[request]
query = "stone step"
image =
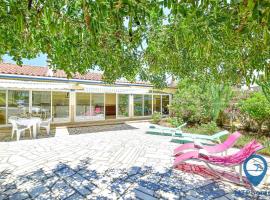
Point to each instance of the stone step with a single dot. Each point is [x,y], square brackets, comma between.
[61,131]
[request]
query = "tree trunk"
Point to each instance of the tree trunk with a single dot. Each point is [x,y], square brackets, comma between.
[260,126]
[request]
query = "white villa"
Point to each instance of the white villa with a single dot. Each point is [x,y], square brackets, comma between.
[50,94]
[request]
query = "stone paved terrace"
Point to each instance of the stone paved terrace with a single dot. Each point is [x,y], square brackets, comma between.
[124,164]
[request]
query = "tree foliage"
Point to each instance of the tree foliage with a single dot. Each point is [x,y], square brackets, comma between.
[228,40]
[187,103]
[200,102]
[257,108]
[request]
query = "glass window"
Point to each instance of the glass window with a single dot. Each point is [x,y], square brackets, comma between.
[83,110]
[147,105]
[123,105]
[97,105]
[41,104]
[18,103]
[60,104]
[165,104]
[138,105]
[157,103]
[2,107]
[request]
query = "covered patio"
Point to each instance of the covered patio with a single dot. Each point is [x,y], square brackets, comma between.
[78,101]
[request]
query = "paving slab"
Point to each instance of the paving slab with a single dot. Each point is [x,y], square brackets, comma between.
[120,162]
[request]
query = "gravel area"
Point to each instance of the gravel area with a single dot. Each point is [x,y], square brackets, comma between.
[100,128]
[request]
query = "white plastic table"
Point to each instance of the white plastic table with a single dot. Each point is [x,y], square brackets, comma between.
[31,122]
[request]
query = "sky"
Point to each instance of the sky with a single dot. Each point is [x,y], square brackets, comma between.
[41,60]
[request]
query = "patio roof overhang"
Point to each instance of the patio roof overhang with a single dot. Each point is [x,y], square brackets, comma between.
[28,85]
[115,89]
[33,85]
[66,80]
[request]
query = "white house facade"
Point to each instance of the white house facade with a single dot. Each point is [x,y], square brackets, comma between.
[41,92]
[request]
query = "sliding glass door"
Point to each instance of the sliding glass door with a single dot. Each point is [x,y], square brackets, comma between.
[142,105]
[147,105]
[41,104]
[2,107]
[83,111]
[89,106]
[123,105]
[157,103]
[138,105]
[97,105]
[18,103]
[165,104]
[60,105]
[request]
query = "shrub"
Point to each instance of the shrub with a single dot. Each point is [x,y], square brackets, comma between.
[200,102]
[175,122]
[257,108]
[156,117]
[186,104]
[245,121]
[209,128]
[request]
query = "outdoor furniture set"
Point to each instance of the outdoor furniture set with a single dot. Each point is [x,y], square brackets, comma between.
[33,124]
[210,150]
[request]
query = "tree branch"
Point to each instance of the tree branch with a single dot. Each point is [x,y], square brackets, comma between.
[30,4]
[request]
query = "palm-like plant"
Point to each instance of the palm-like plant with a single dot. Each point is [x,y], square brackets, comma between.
[220,95]
[266,89]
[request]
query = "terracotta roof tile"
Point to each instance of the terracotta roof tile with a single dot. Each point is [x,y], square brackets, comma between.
[22,70]
[6,68]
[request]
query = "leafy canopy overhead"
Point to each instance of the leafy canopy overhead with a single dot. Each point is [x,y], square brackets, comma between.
[225,39]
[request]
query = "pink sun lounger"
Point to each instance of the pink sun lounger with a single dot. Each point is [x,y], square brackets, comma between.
[233,160]
[218,148]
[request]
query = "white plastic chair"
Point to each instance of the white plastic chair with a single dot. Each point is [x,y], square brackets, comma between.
[47,125]
[12,118]
[18,129]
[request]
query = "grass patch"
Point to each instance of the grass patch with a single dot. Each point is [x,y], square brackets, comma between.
[200,130]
